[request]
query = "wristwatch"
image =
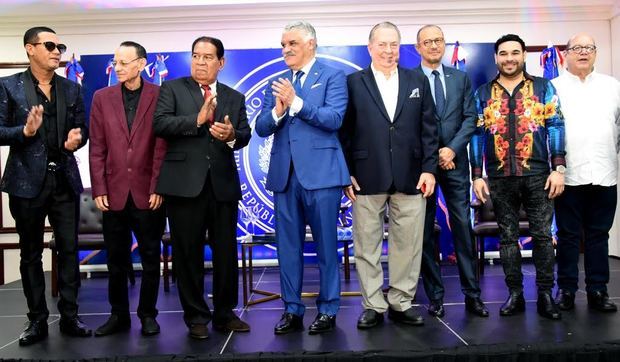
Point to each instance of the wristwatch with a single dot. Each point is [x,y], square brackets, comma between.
[561,169]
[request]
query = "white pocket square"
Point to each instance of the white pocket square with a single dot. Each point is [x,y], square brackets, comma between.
[415,93]
[316,85]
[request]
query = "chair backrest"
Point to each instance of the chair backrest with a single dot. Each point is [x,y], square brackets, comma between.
[91,218]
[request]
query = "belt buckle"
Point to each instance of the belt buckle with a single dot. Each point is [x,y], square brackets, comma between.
[52,166]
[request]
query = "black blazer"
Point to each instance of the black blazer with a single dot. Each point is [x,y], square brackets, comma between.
[379,152]
[458,122]
[26,165]
[192,152]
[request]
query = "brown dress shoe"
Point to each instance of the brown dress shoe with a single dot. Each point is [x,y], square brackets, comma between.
[232,325]
[199,331]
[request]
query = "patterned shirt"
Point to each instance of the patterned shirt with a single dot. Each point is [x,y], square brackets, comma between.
[515,133]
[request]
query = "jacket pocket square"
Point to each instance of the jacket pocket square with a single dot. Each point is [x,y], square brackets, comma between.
[316,85]
[415,93]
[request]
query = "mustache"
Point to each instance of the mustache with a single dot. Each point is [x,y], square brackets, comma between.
[288,54]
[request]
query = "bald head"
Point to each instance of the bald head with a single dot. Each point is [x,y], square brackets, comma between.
[578,38]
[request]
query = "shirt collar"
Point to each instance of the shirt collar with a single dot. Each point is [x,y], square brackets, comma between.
[576,78]
[36,81]
[429,71]
[306,68]
[378,73]
[212,86]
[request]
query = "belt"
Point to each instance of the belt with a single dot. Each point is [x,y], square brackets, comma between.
[54,167]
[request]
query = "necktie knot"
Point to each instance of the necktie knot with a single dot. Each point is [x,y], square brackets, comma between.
[436,73]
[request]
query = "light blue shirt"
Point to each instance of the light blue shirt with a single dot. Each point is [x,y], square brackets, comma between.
[431,78]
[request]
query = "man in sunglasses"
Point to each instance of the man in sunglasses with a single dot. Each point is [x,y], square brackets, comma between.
[125,157]
[586,209]
[42,119]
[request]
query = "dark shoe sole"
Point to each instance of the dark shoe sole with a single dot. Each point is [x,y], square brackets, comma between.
[149,333]
[198,336]
[287,331]
[409,323]
[221,328]
[511,313]
[118,330]
[614,310]
[316,331]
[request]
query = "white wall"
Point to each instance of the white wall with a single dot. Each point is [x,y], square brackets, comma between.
[337,23]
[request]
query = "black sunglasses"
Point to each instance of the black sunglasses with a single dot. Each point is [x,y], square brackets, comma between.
[50,46]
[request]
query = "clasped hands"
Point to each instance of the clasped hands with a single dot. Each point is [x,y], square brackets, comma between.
[35,120]
[284,95]
[223,131]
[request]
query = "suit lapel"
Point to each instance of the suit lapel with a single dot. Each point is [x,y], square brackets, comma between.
[146,98]
[449,78]
[31,95]
[61,111]
[369,81]
[119,109]
[220,110]
[403,91]
[311,78]
[196,94]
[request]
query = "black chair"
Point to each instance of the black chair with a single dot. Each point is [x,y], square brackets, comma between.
[90,235]
[485,225]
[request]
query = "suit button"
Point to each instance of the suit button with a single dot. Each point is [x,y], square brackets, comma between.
[129,169]
[208,157]
[129,150]
[391,128]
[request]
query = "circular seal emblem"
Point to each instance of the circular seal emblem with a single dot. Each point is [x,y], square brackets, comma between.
[256,215]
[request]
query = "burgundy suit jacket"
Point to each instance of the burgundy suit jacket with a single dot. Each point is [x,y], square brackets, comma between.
[121,161]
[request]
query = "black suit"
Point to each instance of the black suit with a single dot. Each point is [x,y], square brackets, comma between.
[456,126]
[36,192]
[200,181]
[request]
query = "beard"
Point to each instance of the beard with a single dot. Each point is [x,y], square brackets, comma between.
[518,68]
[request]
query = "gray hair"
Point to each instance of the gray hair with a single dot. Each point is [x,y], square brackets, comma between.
[305,27]
[383,25]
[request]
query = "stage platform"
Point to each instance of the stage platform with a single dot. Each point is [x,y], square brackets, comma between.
[580,335]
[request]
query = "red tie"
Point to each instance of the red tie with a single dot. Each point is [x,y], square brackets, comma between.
[207,90]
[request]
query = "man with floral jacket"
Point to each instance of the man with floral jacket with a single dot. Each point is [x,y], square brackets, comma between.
[519,124]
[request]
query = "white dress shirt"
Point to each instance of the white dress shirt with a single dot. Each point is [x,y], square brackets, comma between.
[428,72]
[298,103]
[591,112]
[388,87]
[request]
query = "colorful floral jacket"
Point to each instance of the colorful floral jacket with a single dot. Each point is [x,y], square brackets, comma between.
[516,133]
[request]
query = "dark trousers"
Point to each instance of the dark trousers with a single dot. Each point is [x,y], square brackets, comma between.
[584,212]
[508,194]
[57,201]
[190,218]
[148,227]
[455,186]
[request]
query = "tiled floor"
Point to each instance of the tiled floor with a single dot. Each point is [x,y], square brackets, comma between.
[456,329]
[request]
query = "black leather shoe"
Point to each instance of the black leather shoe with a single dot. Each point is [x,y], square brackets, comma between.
[150,327]
[289,323]
[476,306]
[407,317]
[322,323]
[565,299]
[546,306]
[232,325]
[369,318]
[74,327]
[114,324]
[34,332]
[600,301]
[514,304]
[435,308]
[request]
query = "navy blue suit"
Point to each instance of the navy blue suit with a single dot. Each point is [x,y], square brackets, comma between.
[36,191]
[455,127]
[307,172]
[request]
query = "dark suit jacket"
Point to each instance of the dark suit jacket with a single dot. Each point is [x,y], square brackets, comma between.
[120,161]
[379,152]
[458,123]
[27,162]
[192,152]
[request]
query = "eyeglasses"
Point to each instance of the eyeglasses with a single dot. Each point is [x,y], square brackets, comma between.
[123,63]
[438,41]
[50,46]
[579,48]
